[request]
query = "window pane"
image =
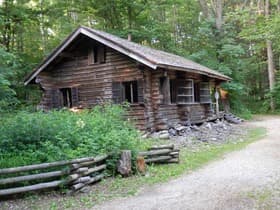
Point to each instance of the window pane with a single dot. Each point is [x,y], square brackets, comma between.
[130,91]
[205,96]
[185,91]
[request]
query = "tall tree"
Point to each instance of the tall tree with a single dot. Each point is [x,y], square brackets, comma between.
[270,62]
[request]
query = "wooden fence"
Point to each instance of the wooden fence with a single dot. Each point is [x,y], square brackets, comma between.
[161,154]
[74,174]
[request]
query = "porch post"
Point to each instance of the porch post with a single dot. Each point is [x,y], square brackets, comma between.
[217,96]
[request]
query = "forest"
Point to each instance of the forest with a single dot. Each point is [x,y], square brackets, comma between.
[239,38]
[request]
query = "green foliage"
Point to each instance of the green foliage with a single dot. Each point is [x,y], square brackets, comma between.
[31,29]
[58,135]
[275,94]
[8,66]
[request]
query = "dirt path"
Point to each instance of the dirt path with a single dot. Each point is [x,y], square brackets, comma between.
[223,184]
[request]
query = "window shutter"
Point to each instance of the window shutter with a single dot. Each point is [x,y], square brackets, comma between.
[197,92]
[101,54]
[90,56]
[173,91]
[75,96]
[56,98]
[117,92]
[140,91]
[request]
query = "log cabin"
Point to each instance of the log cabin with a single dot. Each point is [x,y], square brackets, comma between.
[92,66]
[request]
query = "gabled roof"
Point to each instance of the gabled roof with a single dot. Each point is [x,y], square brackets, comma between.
[145,55]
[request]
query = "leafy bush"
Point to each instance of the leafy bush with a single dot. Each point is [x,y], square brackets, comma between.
[237,96]
[29,138]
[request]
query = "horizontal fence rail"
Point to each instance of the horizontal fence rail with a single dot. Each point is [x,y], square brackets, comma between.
[74,174]
[161,154]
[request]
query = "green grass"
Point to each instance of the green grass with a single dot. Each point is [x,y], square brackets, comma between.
[189,161]
[120,187]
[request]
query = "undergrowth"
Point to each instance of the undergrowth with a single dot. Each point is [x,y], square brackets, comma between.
[29,138]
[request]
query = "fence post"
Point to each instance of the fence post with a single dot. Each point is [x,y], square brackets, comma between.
[124,164]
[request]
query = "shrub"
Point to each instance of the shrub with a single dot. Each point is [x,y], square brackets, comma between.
[59,135]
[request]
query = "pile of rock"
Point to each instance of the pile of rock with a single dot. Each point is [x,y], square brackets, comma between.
[212,132]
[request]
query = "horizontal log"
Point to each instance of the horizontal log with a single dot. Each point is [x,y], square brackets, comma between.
[171,146]
[97,160]
[158,159]
[49,165]
[81,170]
[174,153]
[155,152]
[173,160]
[95,179]
[95,169]
[81,185]
[73,177]
[175,156]
[30,188]
[82,180]
[33,177]
[77,186]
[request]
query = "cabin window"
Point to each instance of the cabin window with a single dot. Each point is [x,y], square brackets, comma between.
[204,92]
[66,97]
[185,91]
[131,91]
[182,91]
[97,54]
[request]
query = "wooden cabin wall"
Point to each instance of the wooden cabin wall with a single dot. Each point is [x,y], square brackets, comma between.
[93,81]
[168,115]
[148,100]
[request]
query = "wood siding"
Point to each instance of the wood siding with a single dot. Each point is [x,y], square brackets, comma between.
[168,115]
[93,82]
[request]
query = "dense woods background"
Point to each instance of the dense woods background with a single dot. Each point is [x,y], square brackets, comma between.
[240,38]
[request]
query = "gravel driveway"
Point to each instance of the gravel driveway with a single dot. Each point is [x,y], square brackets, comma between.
[223,184]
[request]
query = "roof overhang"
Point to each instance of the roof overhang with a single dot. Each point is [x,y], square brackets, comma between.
[195,71]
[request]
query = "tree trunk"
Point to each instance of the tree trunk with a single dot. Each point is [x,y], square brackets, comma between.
[270,64]
[204,8]
[219,14]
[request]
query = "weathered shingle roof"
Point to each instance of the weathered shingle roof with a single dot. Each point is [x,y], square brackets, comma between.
[146,55]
